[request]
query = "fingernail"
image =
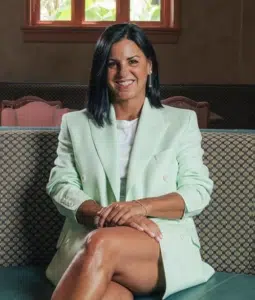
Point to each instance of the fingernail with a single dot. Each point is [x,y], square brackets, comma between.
[158,239]
[152,234]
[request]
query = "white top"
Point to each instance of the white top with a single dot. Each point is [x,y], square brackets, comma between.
[126,134]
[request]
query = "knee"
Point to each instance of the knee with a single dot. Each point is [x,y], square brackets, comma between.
[101,242]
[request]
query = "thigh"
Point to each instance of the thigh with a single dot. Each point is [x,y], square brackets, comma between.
[138,263]
[117,291]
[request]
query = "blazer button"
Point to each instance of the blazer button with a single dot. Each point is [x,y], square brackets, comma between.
[83,178]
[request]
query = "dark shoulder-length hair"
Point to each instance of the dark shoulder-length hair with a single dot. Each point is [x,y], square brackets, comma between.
[99,103]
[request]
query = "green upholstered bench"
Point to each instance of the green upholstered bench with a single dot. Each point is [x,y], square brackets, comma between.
[29,283]
[30,223]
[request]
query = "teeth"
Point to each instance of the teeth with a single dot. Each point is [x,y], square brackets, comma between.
[125,83]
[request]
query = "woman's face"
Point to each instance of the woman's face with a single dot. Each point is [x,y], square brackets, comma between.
[128,69]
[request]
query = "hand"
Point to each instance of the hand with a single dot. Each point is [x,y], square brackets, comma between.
[119,212]
[146,225]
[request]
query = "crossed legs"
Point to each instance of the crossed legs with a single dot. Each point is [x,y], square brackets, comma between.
[114,263]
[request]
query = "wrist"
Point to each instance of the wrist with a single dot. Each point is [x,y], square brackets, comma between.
[87,211]
[143,206]
[147,202]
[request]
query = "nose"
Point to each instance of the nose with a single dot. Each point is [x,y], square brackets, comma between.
[123,70]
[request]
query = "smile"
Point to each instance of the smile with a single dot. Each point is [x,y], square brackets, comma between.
[125,83]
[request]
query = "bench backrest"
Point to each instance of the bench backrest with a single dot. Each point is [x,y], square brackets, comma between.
[30,223]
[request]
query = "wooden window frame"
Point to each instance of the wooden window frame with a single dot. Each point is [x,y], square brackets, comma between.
[166,31]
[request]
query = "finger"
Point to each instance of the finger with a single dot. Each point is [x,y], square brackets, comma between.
[159,234]
[117,211]
[100,216]
[140,222]
[108,225]
[155,231]
[131,211]
[104,215]
[122,216]
[146,225]
[150,230]
[150,233]
[104,210]
[136,226]
[100,211]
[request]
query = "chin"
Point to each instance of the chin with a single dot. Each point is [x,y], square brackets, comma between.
[122,97]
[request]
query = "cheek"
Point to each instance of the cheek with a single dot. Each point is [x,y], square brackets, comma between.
[110,77]
[142,76]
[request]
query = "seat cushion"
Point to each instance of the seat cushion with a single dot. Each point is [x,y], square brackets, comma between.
[24,283]
[30,283]
[222,286]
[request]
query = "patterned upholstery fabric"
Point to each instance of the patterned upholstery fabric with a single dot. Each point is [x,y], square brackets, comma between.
[226,226]
[30,223]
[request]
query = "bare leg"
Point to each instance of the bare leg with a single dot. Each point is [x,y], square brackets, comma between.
[113,291]
[117,291]
[120,254]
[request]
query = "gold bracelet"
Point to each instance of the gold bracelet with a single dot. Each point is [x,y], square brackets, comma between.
[146,212]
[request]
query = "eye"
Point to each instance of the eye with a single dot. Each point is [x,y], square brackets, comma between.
[133,61]
[111,64]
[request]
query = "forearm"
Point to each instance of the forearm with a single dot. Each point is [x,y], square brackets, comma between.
[87,212]
[169,206]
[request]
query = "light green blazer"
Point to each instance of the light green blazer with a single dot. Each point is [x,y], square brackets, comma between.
[166,157]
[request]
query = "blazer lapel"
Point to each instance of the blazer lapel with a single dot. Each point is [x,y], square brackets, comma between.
[106,143]
[150,128]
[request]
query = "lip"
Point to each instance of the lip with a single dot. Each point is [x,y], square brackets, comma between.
[123,87]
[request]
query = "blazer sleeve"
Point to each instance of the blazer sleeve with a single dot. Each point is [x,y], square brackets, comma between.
[64,185]
[193,182]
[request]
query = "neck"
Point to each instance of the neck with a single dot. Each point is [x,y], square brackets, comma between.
[129,109]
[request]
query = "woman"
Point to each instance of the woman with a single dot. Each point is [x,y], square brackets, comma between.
[129,177]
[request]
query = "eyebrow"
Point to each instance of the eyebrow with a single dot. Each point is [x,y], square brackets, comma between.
[131,57]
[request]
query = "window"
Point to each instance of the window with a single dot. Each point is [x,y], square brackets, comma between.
[84,20]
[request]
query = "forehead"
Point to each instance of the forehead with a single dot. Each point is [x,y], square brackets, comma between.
[125,49]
